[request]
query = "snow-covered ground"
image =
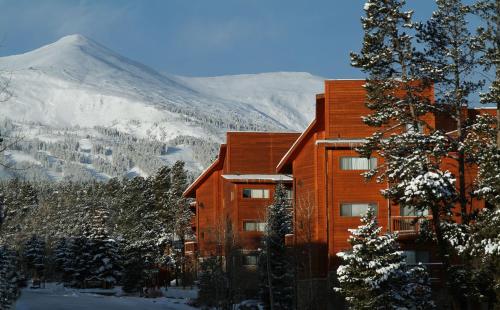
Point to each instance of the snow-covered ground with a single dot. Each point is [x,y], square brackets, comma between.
[57,297]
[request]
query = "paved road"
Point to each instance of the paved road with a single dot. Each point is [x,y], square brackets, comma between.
[49,300]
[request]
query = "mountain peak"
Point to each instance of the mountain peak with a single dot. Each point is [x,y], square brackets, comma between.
[73,39]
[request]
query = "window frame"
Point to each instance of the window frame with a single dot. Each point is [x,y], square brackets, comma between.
[413,213]
[258,226]
[244,261]
[372,163]
[263,190]
[417,256]
[374,204]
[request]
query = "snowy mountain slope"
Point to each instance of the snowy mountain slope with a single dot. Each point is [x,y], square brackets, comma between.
[284,96]
[77,84]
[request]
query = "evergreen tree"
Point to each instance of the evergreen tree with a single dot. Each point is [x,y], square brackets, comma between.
[134,267]
[182,216]
[140,226]
[8,278]
[398,93]
[213,290]
[374,274]
[20,200]
[482,246]
[34,256]
[62,258]
[450,61]
[78,266]
[276,265]
[105,264]
[489,46]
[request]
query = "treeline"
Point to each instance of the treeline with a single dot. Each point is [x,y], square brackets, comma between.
[58,153]
[96,234]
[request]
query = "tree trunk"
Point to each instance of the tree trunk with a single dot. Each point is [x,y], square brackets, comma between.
[497,69]
[443,255]
[269,276]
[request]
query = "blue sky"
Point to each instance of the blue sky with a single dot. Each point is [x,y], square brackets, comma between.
[202,37]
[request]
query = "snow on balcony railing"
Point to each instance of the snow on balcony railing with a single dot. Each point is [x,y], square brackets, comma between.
[190,246]
[407,225]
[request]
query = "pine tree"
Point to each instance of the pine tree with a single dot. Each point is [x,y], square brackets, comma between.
[212,283]
[398,88]
[140,225]
[182,216]
[34,256]
[489,46]
[450,61]
[62,258]
[8,278]
[20,200]
[276,265]
[78,266]
[482,247]
[105,264]
[374,275]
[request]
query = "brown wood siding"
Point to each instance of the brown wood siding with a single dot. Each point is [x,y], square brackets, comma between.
[207,210]
[349,186]
[256,152]
[345,104]
[252,209]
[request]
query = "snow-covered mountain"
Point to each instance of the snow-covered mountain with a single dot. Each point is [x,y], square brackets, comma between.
[79,88]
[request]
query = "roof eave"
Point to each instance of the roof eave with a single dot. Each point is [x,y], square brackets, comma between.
[190,192]
[290,154]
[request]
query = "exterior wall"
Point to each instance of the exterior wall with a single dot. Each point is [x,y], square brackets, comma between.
[251,209]
[309,203]
[220,206]
[349,186]
[344,106]
[320,183]
[256,152]
[208,207]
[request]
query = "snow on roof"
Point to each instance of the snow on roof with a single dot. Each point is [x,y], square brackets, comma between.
[259,177]
[335,141]
[353,79]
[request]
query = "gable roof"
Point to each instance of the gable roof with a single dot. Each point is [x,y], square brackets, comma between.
[296,146]
[190,192]
[290,155]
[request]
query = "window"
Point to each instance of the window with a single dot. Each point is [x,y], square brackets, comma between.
[255,193]
[289,193]
[254,226]
[250,260]
[414,257]
[410,128]
[410,211]
[355,209]
[358,163]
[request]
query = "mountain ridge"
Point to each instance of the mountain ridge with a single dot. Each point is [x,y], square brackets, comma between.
[76,82]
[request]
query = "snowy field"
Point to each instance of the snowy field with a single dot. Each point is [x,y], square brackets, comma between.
[57,297]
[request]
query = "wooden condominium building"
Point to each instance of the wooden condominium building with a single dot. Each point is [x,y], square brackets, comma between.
[232,196]
[328,191]
[330,194]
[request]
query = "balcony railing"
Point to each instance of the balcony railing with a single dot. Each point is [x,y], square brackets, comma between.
[190,247]
[407,225]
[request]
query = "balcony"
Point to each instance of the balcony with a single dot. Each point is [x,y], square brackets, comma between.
[190,247]
[407,225]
